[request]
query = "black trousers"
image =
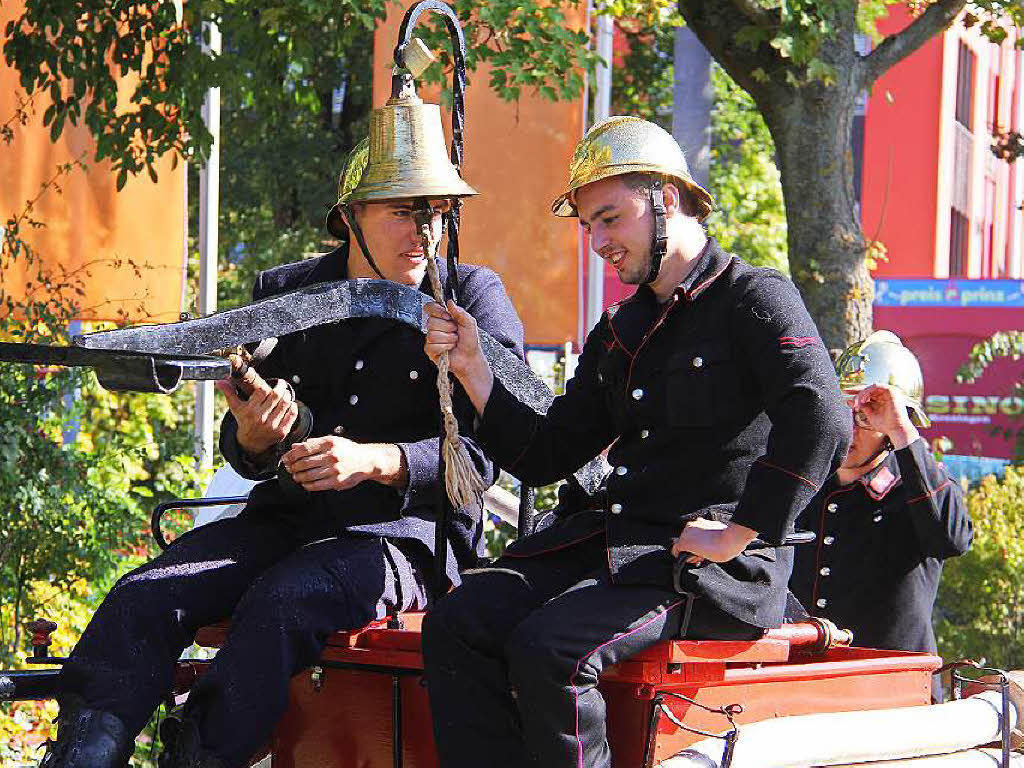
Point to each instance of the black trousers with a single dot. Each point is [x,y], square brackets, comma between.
[513,656]
[284,597]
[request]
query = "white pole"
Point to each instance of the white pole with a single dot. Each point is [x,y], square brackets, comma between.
[1015,267]
[209,198]
[604,32]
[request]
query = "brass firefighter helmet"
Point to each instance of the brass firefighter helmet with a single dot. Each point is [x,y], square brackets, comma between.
[351,173]
[405,157]
[621,145]
[881,358]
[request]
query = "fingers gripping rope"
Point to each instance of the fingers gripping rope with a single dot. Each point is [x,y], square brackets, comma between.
[463,483]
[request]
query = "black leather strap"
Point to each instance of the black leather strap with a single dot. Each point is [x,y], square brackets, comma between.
[659,237]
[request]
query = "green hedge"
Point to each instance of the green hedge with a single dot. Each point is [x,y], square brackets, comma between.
[979,613]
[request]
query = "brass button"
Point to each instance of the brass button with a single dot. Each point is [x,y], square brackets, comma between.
[833,507]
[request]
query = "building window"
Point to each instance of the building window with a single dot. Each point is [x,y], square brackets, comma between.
[988,230]
[958,230]
[964,85]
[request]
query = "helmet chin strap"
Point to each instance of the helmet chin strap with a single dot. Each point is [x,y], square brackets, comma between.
[350,219]
[884,449]
[659,237]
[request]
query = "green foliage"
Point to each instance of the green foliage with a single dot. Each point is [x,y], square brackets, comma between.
[1002,344]
[529,46]
[980,607]
[643,82]
[744,179]
[79,467]
[280,56]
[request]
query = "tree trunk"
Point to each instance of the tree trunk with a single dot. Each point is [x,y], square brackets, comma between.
[811,125]
[827,248]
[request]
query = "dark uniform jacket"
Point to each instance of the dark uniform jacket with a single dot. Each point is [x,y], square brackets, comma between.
[881,541]
[721,403]
[370,381]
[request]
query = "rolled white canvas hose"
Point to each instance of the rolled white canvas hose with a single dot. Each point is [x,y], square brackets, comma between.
[970,758]
[845,738]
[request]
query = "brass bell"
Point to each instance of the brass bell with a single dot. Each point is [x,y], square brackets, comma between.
[408,156]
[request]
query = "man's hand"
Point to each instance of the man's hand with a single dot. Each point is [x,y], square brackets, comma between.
[711,540]
[335,464]
[453,330]
[882,408]
[266,418]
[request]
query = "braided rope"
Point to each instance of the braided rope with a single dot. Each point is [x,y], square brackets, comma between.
[463,483]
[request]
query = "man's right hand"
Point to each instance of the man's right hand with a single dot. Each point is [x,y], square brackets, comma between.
[454,330]
[266,418]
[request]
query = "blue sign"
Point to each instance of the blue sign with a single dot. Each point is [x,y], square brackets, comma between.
[910,292]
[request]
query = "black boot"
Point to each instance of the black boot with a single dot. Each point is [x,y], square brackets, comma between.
[182,748]
[87,738]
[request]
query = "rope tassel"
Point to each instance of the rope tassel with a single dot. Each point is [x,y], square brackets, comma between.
[463,483]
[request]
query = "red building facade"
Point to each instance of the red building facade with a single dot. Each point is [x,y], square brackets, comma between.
[948,213]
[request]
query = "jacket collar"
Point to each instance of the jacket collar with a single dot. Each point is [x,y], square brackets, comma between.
[711,264]
[882,479]
[329,267]
[633,318]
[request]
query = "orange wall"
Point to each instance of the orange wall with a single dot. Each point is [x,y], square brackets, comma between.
[517,157]
[900,178]
[90,229]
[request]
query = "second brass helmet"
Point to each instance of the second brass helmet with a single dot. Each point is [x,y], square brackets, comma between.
[881,358]
[621,145]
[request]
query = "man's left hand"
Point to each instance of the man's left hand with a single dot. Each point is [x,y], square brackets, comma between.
[883,408]
[336,464]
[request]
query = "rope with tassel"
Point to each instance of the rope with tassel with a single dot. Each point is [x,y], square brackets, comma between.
[463,483]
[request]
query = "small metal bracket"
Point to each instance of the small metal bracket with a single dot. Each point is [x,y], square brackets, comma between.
[1002,684]
[729,711]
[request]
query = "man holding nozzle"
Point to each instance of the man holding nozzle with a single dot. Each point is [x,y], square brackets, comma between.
[345,534]
[889,516]
[723,416]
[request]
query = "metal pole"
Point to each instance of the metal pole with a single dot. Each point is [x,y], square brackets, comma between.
[209,198]
[691,112]
[604,34]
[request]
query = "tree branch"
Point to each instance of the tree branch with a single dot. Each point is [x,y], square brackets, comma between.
[897,47]
[755,13]
[716,24]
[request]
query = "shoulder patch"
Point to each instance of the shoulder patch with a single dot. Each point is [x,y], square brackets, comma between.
[798,342]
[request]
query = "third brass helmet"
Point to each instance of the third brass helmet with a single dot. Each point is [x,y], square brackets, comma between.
[881,358]
[621,145]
